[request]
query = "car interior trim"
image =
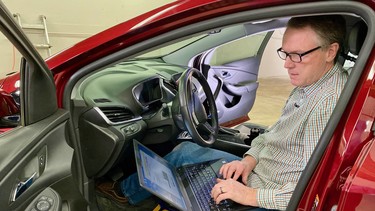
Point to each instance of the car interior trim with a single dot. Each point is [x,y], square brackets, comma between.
[108,121]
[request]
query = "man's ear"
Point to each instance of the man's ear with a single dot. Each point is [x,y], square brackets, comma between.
[332,51]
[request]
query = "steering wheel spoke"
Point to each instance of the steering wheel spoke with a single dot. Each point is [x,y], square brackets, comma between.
[206,129]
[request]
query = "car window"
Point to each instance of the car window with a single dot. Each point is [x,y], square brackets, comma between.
[159,52]
[9,85]
[10,57]
[239,49]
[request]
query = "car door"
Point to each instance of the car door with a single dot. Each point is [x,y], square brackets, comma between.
[357,191]
[232,72]
[35,157]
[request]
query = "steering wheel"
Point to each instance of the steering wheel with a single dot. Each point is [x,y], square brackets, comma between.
[203,128]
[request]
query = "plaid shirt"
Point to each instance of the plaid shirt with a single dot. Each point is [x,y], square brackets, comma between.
[284,150]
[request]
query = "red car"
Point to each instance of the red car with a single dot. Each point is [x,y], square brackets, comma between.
[81,109]
[9,102]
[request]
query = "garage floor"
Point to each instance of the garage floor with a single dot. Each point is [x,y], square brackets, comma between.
[270,99]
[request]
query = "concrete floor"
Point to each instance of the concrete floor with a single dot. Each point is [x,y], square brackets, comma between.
[271,96]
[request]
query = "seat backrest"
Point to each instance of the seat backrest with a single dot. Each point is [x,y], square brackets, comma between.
[354,44]
[357,37]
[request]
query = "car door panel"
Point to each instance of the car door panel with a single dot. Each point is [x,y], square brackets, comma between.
[47,199]
[238,81]
[44,154]
[35,154]
[232,72]
[361,177]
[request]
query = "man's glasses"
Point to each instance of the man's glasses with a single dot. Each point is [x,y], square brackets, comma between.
[295,57]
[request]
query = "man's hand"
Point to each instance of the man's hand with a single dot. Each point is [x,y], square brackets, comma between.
[235,169]
[235,191]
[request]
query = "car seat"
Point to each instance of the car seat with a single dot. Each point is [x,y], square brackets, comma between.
[354,44]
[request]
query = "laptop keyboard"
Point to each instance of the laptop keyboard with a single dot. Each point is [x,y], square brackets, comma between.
[202,178]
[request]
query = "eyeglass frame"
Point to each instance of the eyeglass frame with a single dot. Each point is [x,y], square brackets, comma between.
[299,54]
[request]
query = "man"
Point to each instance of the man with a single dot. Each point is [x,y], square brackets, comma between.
[270,170]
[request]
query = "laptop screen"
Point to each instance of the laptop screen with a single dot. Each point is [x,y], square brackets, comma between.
[157,176]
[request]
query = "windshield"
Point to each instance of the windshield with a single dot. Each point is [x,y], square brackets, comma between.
[166,50]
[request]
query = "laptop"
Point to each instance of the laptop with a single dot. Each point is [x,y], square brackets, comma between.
[183,188]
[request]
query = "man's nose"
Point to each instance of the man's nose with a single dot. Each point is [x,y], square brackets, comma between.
[288,63]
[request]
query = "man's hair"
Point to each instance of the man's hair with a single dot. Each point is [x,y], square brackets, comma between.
[329,28]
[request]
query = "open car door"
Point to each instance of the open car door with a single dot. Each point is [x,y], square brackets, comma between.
[35,158]
[232,71]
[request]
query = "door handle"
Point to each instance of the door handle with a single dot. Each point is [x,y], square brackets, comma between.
[23,186]
[225,74]
[218,87]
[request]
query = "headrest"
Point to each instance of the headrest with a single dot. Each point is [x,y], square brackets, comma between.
[357,37]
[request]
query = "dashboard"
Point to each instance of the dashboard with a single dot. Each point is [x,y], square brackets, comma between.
[137,86]
[127,101]
[132,100]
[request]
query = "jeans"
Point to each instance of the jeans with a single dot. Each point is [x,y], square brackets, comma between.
[183,154]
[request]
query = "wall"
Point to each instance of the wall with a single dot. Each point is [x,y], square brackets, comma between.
[69,21]
[273,66]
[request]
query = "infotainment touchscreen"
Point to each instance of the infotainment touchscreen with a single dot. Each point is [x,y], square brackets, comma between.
[148,91]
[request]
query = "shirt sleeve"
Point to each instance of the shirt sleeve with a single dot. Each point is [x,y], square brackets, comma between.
[275,198]
[256,146]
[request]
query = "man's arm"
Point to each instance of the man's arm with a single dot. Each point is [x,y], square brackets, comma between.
[256,146]
[275,198]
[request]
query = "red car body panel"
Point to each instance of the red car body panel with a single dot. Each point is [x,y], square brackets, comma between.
[7,104]
[344,177]
[7,84]
[359,187]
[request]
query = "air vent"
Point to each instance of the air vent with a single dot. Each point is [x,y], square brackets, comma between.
[117,114]
[102,100]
